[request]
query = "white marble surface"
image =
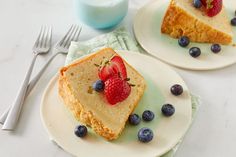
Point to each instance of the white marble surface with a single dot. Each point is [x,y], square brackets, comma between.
[212,134]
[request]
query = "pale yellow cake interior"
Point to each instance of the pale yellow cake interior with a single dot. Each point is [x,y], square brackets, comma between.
[80,77]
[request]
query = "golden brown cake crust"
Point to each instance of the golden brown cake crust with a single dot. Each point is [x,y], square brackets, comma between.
[78,110]
[178,22]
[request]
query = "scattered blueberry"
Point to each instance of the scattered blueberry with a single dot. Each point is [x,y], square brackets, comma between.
[134,119]
[176,89]
[197,3]
[195,52]
[148,115]
[184,41]
[98,85]
[81,131]
[215,48]
[233,22]
[145,135]
[168,110]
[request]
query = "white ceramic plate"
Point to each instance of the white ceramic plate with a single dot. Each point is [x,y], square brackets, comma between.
[167,131]
[147,29]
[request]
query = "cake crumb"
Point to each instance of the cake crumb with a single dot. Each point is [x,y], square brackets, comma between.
[234,45]
[90,90]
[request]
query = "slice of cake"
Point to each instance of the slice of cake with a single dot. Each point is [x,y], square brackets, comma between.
[183,19]
[107,111]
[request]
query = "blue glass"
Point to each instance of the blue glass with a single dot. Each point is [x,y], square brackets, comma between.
[101,14]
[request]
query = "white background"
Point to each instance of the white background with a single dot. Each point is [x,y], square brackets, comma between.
[213,133]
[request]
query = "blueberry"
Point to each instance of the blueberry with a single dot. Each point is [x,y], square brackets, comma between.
[233,22]
[195,52]
[184,41]
[168,110]
[81,131]
[134,119]
[148,115]
[215,48]
[98,85]
[197,3]
[176,89]
[145,135]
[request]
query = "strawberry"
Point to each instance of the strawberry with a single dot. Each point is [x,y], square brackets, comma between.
[117,60]
[107,71]
[116,89]
[213,7]
[113,67]
[204,2]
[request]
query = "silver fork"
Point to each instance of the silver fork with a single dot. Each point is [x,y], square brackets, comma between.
[41,46]
[61,47]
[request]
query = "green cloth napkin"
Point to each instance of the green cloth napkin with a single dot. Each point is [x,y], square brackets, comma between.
[119,39]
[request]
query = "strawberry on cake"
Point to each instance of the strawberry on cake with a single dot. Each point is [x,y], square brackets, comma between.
[101,91]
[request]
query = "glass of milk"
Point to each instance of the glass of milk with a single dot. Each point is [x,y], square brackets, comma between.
[101,14]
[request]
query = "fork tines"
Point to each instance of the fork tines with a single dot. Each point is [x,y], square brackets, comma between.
[44,37]
[72,35]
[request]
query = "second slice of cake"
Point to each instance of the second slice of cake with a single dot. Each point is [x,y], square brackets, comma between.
[91,107]
[183,19]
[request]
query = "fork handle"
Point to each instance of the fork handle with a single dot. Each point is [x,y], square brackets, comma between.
[4,115]
[30,85]
[33,82]
[16,107]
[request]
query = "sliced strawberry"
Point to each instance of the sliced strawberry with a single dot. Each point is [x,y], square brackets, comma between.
[204,2]
[113,67]
[116,90]
[107,71]
[213,7]
[117,60]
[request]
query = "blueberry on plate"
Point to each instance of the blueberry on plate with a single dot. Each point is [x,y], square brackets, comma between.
[81,131]
[233,22]
[98,85]
[176,89]
[195,52]
[197,3]
[215,48]
[184,41]
[148,115]
[168,110]
[145,135]
[134,119]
